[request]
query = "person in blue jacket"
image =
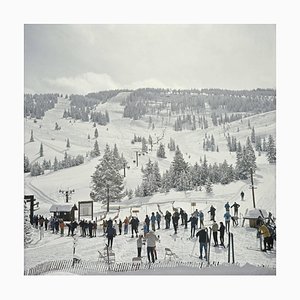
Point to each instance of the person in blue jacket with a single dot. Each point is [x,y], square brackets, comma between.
[153,219]
[227,218]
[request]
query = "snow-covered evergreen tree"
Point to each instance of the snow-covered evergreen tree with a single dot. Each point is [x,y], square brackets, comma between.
[41,150]
[36,169]
[161,151]
[68,143]
[151,178]
[144,145]
[271,150]
[251,154]
[96,151]
[178,166]
[96,134]
[55,164]
[31,136]
[26,164]
[208,186]
[253,135]
[106,180]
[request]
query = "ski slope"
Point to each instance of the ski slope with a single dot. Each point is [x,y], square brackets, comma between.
[120,131]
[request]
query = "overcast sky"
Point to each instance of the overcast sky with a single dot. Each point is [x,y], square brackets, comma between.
[87,58]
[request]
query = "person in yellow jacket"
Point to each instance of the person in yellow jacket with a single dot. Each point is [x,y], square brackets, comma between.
[263,229]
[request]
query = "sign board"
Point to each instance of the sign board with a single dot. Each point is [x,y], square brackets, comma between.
[193,203]
[135,211]
[85,209]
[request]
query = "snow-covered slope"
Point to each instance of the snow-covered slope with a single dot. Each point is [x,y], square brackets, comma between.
[120,131]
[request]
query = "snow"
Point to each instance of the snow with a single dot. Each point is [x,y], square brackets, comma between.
[121,131]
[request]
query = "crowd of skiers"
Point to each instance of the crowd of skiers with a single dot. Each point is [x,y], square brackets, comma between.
[152,223]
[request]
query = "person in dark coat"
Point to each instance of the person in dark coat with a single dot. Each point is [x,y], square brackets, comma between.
[120,226]
[153,219]
[134,226]
[168,219]
[175,219]
[235,208]
[73,227]
[110,234]
[212,212]
[90,227]
[185,219]
[222,231]
[194,221]
[147,221]
[46,223]
[110,223]
[158,219]
[242,195]
[203,241]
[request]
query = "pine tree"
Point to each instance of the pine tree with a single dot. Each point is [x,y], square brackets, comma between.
[89,137]
[178,166]
[28,231]
[41,150]
[36,169]
[253,135]
[96,133]
[106,180]
[55,164]
[96,150]
[150,140]
[161,151]
[144,145]
[271,150]
[26,164]
[208,186]
[68,143]
[31,137]
[251,154]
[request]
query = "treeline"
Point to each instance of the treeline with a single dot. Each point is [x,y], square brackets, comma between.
[237,103]
[103,96]
[37,168]
[249,93]
[220,118]
[83,108]
[36,105]
[189,122]
[154,101]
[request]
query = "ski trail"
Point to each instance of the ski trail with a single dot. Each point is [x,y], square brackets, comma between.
[42,196]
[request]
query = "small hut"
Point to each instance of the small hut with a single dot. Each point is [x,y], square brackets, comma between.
[253,214]
[64,211]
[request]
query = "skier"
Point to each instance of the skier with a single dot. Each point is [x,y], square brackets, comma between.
[263,229]
[203,240]
[151,243]
[227,218]
[194,220]
[158,219]
[61,226]
[139,243]
[110,234]
[242,195]
[104,224]
[222,230]
[153,219]
[147,221]
[201,217]
[94,229]
[212,212]
[185,220]
[215,228]
[126,222]
[181,215]
[134,226]
[120,227]
[168,219]
[227,206]
[175,219]
[109,223]
[90,227]
[73,227]
[46,224]
[236,208]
